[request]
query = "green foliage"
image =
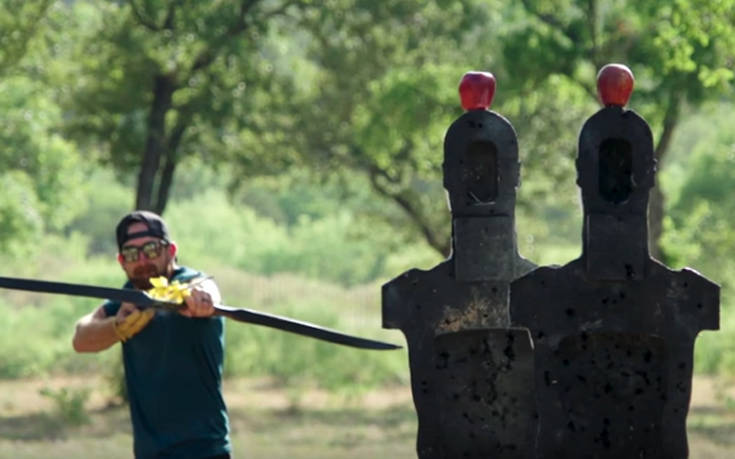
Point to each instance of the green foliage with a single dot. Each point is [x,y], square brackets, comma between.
[295,360]
[114,376]
[35,340]
[19,21]
[325,246]
[699,224]
[107,201]
[156,82]
[368,88]
[20,222]
[386,120]
[700,213]
[40,176]
[69,404]
[681,46]
[35,336]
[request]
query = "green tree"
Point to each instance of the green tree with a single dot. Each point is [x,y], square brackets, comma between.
[358,86]
[680,51]
[40,175]
[158,80]
[19,22]
[382,90]
[699,218]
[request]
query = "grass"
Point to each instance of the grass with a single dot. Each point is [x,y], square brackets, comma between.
[268,421]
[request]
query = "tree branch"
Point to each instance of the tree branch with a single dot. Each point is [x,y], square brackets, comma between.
[589,89]
[547,19]
[594,51]
[168,23]
[207,56]
[656,206]
[443,247]
[143,21]
[671,119]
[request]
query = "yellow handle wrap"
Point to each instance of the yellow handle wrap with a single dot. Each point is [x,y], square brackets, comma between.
[174,292]
[133,323]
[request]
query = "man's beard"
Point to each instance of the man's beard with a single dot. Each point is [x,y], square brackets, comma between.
[141,277]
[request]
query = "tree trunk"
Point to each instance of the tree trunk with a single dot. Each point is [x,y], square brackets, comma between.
[163,89]
[656,200]
[167,178]
[169,166]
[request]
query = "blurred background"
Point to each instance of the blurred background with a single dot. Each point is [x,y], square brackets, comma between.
[295,149]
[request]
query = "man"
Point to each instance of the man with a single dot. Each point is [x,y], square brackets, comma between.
[172,360]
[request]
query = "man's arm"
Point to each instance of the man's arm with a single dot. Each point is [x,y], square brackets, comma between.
[95,332]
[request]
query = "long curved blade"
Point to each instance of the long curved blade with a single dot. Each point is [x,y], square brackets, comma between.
[128,295]
[141,298]
[301,328]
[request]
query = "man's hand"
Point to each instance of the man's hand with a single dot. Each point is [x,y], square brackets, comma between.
[131,320]
[198,304]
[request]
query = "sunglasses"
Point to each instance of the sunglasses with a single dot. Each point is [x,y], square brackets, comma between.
[151,250]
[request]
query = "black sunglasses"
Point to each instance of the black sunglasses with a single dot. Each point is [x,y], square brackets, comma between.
[151,250]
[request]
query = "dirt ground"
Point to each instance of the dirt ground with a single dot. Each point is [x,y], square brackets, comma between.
[270,422]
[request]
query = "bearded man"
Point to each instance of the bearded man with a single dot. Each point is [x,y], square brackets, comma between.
[172,360]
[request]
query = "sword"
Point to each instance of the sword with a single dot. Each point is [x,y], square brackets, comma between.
[144,300]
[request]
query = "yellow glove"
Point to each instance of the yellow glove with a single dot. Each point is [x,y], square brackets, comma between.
[133,323]
[174,292]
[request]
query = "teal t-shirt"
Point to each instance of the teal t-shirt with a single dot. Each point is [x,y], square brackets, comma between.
[173,372]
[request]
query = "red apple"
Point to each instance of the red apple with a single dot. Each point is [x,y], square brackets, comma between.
[476,90]
[614,84]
